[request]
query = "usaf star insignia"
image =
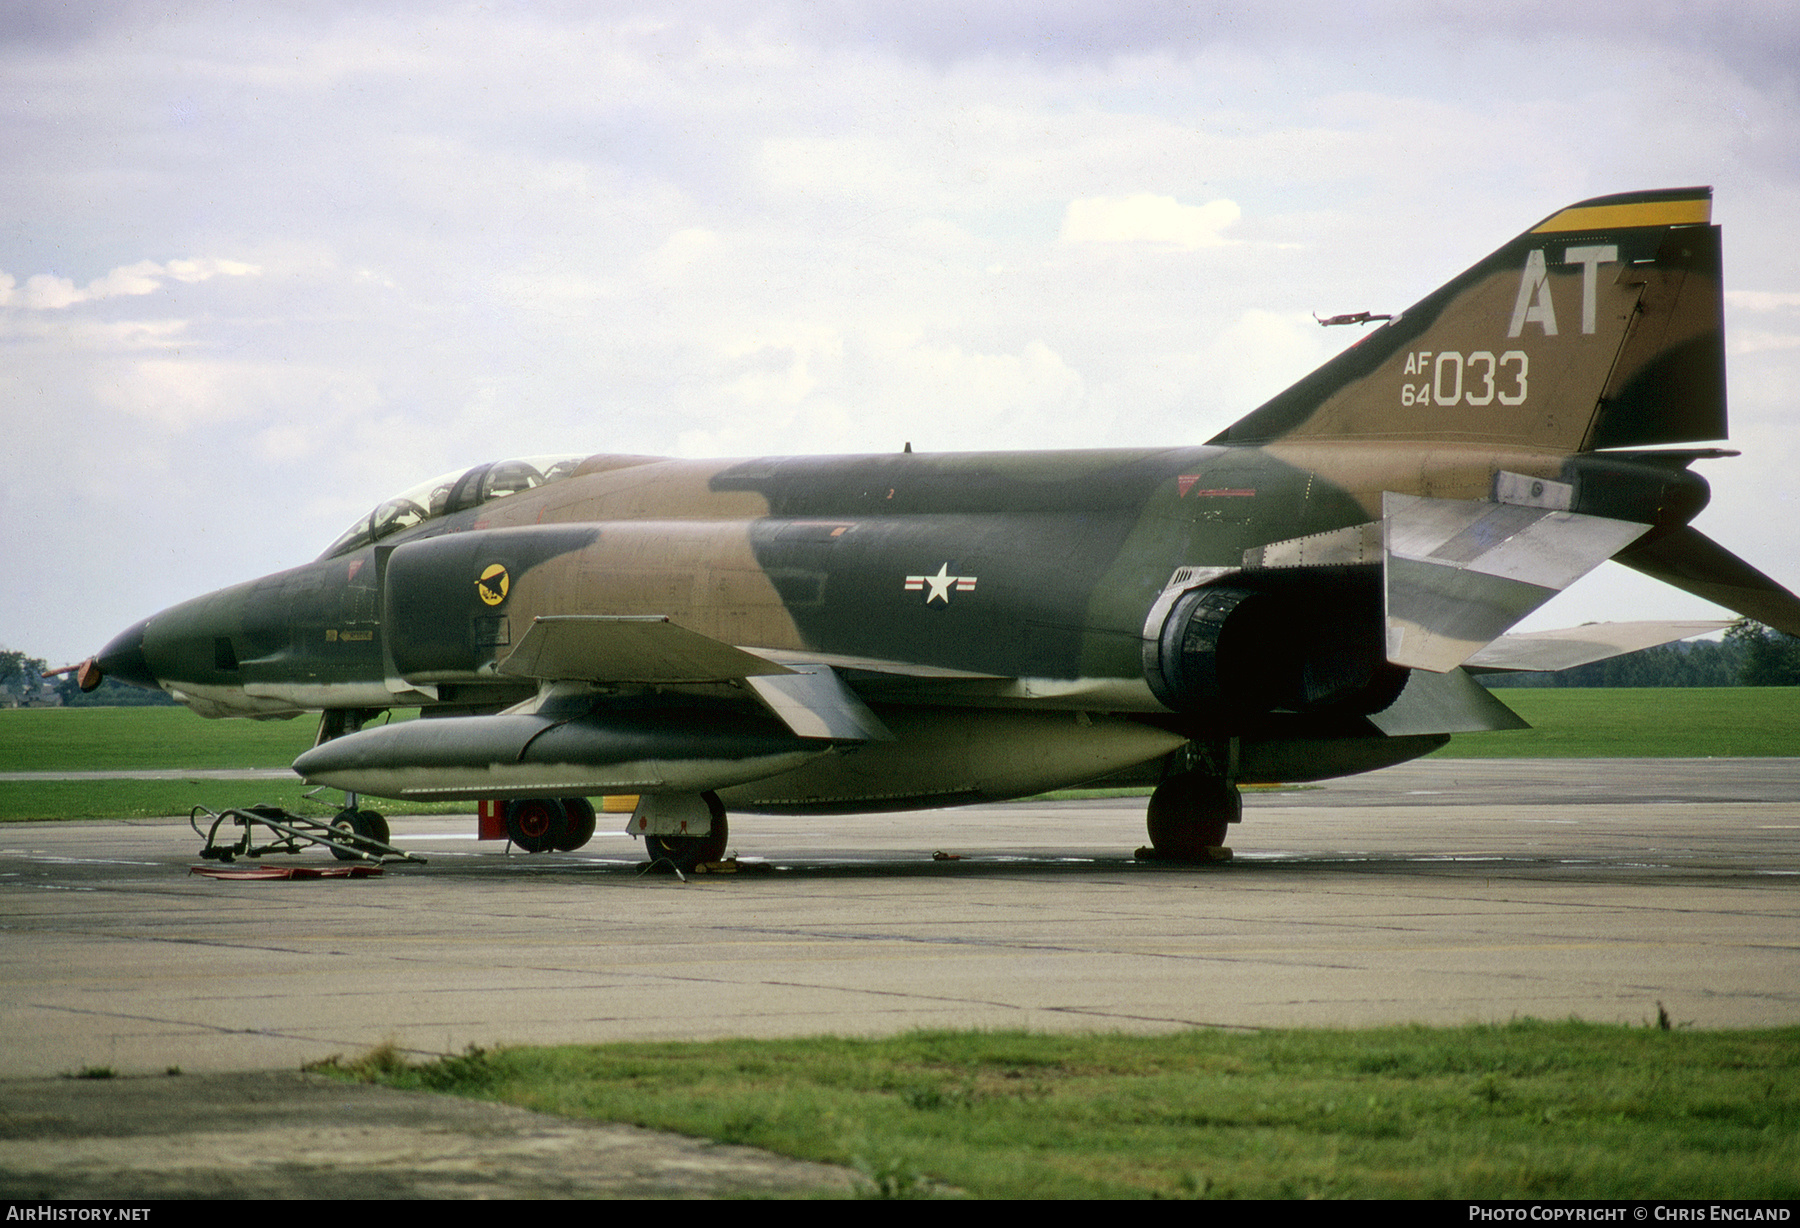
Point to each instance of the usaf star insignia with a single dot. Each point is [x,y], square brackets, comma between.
[941,585]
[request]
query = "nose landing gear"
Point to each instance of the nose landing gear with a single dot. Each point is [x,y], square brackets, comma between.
[358,832]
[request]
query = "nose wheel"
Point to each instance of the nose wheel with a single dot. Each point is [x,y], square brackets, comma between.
[358,828]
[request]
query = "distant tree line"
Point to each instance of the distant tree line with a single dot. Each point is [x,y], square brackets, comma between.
[1749,655]
[22,684]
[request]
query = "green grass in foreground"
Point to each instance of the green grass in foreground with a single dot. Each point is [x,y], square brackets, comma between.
[1526,1110]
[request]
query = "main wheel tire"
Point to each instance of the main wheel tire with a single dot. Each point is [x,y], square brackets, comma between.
[367,824]
[536,824]
[581,824]
[1189,814]
[686,852]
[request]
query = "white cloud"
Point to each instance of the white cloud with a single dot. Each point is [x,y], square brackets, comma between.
[681,250]
[69,336]
[1761,300]
[1263,352]
[176,393]
[144,277]
[1776,334]
[778,364]
[49,292]
[1147,218]
[967,399]
[46,291]
[1739,341]
[180,394]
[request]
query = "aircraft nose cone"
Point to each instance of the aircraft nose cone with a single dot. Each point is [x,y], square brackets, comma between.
[124,658]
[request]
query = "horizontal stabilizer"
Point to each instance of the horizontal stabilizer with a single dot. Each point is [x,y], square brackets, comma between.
[1694,563]
[1450,702]
[1567,647]
[1460,572]
[814,702]
[628,648]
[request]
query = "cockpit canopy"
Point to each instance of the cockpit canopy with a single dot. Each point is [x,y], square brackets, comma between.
[453,492]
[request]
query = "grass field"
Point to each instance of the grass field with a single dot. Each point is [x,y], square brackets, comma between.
[1527,1110]
[116,739]
[127,739]
[1642,723]
[1721,722]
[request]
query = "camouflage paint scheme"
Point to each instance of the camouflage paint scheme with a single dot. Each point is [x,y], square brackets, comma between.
[1012,622]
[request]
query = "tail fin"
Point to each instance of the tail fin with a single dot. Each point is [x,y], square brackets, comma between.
[1600,327]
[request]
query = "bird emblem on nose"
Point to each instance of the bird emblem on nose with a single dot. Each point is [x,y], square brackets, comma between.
[492,584]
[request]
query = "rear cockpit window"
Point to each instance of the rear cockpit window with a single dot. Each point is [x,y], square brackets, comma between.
[452,493]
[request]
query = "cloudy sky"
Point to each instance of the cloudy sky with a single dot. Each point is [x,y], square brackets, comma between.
[263,265]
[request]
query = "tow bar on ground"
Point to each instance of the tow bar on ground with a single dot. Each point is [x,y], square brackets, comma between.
[255,873]
[351,835]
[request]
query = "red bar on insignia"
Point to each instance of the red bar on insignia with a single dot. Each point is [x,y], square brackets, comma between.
[965,583]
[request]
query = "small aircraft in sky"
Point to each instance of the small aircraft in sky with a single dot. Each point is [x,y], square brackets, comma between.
[1351,317]
[1308,594]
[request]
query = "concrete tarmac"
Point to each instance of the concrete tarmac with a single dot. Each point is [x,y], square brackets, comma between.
[1440,892]
[284,1134]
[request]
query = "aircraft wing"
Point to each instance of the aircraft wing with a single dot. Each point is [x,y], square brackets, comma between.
[573,740]
[809,697]
[627,648]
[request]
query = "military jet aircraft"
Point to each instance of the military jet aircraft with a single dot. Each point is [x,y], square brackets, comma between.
[1308,594]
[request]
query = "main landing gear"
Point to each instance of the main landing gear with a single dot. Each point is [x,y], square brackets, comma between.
[1189,816]
[539,824]
[686,852]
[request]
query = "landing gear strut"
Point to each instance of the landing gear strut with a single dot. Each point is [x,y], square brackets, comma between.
[1189,815]
[686,852]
